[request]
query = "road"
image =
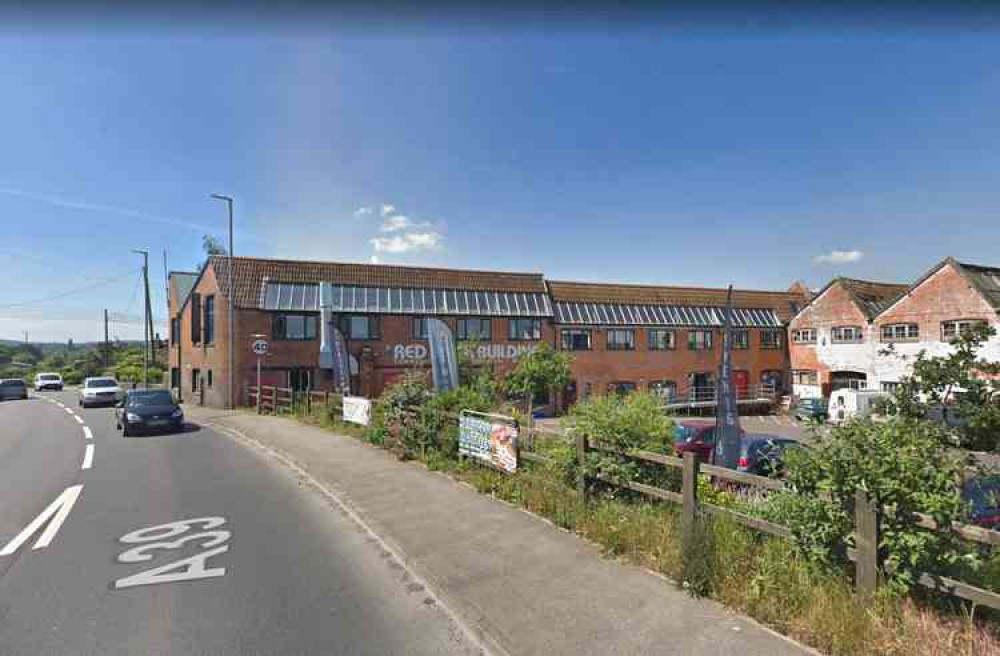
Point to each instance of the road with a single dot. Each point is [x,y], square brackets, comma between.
[267,566]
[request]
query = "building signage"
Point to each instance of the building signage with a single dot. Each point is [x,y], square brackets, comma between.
[341,364]
[489,438]
[357,410]
[417,353]
[260,347]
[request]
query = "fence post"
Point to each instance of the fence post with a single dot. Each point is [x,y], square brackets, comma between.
[689,498]
[866,529]
[581,461]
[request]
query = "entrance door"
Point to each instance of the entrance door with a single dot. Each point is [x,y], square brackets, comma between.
[741,383]
[701,386]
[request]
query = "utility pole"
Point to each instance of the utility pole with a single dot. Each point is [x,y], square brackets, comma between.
[107,342]
[147,322]
[231,403]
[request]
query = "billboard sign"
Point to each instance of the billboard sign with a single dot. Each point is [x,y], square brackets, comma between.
[488,438]
[357,410]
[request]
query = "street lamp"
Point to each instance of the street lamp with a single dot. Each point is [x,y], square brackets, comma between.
[232,303]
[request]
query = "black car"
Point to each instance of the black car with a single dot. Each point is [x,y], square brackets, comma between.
[147,411]
[764,455]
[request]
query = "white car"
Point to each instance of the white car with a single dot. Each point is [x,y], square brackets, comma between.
[48,381]
[100,391]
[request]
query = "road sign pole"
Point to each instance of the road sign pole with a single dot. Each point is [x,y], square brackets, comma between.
[258,384]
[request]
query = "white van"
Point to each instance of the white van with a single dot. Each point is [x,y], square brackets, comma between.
[848,403]
[48,381]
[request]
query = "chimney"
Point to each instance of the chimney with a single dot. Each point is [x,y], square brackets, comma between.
[325,318]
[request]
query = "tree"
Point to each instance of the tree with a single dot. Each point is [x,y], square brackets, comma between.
[211,246]
[960,381]
[540,371]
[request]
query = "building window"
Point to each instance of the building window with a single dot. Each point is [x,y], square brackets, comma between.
[360,327]
[209,380]
[772,382]
[804,377]
[525,329]
[770,339]
[740,339]
[900,332]
[846,334]
[890,386]
[661,339]
[620,339]
[300,380]
[475,330]
[209,319]
[699,340]
[175,378]
[804,336]
[951,330]
[575,339]
[420,328]
[701,386]
[175,331]
[664,389]
[195,377]
[621,388]
[293,327]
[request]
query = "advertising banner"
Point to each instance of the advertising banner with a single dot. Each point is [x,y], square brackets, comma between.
[727,418]
[341,362]
[357,410]
[444,358]
[489,438]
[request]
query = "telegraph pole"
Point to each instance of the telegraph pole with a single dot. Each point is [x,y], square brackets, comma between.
[107,342]
[231,402]
[147,322]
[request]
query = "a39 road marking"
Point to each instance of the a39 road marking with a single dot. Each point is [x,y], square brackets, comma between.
[174,536]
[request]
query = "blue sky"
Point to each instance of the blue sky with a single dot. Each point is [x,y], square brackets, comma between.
[699,155]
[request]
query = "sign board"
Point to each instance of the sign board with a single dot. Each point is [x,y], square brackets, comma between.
[489,438]
[260,347]
[357,410]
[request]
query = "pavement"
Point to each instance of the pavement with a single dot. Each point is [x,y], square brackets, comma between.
[518,583]
[189,543]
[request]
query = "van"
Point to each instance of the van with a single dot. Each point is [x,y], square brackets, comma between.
[846,404]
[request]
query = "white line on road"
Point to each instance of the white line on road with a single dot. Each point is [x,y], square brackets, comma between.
[69,410]
[58,510]
[87,434]
[88,457]
[77,417]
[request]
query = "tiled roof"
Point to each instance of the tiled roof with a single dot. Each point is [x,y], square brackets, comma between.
[251,272]
[986,280]
[872,297]
[780,302]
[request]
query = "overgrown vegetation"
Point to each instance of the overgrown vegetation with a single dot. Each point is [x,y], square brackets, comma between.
[74,363]
[541,371]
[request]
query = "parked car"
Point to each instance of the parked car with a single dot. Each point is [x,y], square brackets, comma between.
[13,388]
[99,391]
[764,454]
[698,437]
[811,410]
[48,381]
[983,495]
[148,410]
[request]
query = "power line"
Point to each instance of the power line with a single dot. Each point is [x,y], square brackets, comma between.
[72,292]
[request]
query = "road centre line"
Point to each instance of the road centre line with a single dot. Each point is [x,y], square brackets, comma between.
[77,417]
[88,457]
[87,434]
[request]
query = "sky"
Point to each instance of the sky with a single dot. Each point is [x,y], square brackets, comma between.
[698,153]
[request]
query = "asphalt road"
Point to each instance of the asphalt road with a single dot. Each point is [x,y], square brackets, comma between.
[269,567]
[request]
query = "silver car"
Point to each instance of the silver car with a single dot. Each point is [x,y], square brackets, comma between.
[100,391]
[13,388]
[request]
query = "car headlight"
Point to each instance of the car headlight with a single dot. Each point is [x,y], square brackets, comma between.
[131,416]
[177,414]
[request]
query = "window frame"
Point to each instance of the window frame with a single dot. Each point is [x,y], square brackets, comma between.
[613,345]
[415,328]
[907,337]
[654,387]
[374,332]
[651,343]
[513,334]
[705,344]
[813,377]
[564,332]
[958,327]
[797,336]
[736,343]
[462,331]
[208,322]
[835,340]
[776,333]
[282,317]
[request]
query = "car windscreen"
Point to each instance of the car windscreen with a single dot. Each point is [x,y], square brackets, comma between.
[12,383]
[154,397]
[48,377]
[683,433]
[102,382]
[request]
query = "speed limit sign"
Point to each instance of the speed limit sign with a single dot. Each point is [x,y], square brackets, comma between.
[260,347]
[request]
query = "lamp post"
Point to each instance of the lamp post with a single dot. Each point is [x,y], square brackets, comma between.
[232,303]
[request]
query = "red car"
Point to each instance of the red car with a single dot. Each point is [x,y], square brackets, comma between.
[698,437]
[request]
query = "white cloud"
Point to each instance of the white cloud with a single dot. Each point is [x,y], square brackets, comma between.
[363,211]
[374,259]
[387,209]
[396,223]
[839,257]
[407,243]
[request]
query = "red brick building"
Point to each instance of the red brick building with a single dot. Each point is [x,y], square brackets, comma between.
[664,339]
[840,338]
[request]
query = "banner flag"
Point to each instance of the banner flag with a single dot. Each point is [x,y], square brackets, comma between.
[444,358]
[727,418]
[341,362]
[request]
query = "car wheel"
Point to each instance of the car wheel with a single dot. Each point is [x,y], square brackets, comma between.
[125,430]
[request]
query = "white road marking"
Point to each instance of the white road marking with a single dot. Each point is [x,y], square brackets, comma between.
[58,510]
[77,417]
[69,410]
[88,457]
[87,434]
[59,403]
[186,569]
